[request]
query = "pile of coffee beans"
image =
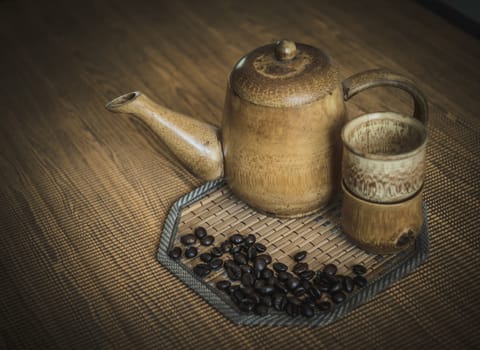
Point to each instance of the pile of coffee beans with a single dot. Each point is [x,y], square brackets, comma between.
[255,284]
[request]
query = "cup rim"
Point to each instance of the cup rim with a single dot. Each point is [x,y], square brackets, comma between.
[384,115]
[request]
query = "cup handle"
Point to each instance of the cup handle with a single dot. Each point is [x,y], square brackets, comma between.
[381,77]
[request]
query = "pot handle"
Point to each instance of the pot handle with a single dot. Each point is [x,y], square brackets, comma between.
[381,77]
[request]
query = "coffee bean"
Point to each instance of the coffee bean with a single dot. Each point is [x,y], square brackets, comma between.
[175,253]
[295,301]
[299,291]
[246,305]
[250,240]
[216,264]
[240,258]
[299,268]
[259,264]
[191,252]
[207,240]
[271,281]
[266,257]
[359,269]
[226,246]
[247,280]
[257,298]
[188,239]
[261,310]
[266,290]
[201,270]
[234,272]
[360,281]
[238,295]
[235,250]
[246,269]
[228,263]
[283,276]
[348,284]
[331,279]
[223,285]
[300,256]
[307,310]
[340,279]
[205,257]
[309,301]
[330,269]
[260,247]
[252,294]
[324,306]
[267,300]
[280,267]
[322,285]
[279,302]
[308,274]
[236,238]
[233,288]
[292,310]
[216,252]
[267,273]
[259,284]
[281,287]
[314,293]
[338,297]
[247,291]
[292,283]
[305,284]
[251,253]
[335,287]
[234,298]
[200,232]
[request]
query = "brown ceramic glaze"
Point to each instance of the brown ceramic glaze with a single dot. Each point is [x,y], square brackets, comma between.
[288,161]
[381,77]
[280,136]
[384,156]
[381,228]
[196,144]
[284,74]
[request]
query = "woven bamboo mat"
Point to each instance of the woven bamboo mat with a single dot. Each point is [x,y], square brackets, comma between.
[216,208]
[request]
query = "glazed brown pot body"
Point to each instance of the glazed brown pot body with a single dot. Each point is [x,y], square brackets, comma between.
[283,161]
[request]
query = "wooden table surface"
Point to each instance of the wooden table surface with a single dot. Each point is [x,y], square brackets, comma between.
[84,192]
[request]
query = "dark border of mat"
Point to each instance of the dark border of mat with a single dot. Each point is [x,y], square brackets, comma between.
[216,298]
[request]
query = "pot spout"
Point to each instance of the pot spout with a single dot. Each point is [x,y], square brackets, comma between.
[196,144]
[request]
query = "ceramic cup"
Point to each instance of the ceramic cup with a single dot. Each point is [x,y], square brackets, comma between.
[381,228]
[384,156]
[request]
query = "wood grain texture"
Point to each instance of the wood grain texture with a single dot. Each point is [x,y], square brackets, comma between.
[84,194]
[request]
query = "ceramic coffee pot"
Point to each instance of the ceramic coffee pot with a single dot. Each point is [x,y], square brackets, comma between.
[279,146]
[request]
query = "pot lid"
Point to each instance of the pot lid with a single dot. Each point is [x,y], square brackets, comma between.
[284,74]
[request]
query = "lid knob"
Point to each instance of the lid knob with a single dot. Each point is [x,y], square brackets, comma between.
[285,50]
